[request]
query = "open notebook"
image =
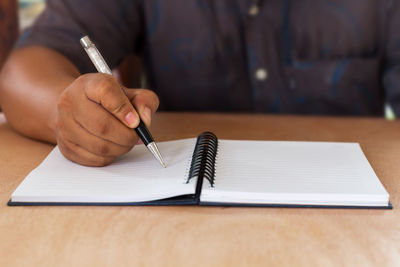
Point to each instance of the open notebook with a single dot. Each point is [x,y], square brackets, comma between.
[208,171]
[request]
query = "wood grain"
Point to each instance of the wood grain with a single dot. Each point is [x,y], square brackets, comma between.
[215,236]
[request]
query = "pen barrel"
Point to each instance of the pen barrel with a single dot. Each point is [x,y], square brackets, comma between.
[95,56]
[144,133]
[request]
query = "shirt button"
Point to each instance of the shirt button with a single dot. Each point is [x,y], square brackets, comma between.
[253,11]
[292,85]
[261,74]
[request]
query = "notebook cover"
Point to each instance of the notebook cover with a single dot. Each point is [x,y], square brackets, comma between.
[174,201]
[184,200]
[192,200]
[223,204]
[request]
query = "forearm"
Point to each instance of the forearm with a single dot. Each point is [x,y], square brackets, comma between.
[30,84]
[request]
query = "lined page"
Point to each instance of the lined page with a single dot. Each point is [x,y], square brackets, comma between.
[134,177]
[294,173]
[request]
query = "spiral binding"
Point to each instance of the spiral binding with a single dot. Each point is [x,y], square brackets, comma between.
[203,159]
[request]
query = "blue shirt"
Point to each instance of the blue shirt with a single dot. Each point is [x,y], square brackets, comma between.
[305,57]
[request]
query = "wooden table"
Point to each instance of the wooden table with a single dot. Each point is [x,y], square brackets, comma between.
[186,236]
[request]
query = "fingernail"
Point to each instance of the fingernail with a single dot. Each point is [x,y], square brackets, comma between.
[131,119]
[147,113]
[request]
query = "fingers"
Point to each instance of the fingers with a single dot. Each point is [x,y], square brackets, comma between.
[106,91]
[93,144]
[99,122]
[80,155]
[83,147]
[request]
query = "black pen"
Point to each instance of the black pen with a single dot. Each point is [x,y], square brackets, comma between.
[102,67]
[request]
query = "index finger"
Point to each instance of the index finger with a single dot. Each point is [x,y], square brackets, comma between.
[106,91]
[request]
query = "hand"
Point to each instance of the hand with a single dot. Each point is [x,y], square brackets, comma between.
[95,119]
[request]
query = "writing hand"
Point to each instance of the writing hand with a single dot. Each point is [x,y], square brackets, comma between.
[95,119]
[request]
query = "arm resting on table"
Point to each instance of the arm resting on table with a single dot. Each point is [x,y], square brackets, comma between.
[30,83]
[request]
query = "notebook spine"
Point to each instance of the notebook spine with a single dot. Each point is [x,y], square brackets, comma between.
[203,159]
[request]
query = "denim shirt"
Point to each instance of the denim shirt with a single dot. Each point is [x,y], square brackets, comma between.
[333,57]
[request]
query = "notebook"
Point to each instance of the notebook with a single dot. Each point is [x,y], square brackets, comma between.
[208,171]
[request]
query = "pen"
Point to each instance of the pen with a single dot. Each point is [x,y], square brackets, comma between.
[101,66]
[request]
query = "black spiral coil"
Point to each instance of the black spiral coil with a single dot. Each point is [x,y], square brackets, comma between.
[203,159]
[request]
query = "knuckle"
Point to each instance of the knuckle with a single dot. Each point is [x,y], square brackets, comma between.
[104,128]
[61,129]
[103,149]
[128,138]
[59,124]
[63,103]
[82,78]
[105,85]
[65,149]
[131,140]
[103,161]
[85,76]
[125,150]
[120,108]
[81,83]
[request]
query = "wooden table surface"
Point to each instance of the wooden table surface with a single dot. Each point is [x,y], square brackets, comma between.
[215,236]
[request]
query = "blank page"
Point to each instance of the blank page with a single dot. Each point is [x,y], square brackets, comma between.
[134,177]
[270,172]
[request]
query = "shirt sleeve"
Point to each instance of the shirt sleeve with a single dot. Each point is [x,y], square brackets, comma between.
[391,71]
[114,26]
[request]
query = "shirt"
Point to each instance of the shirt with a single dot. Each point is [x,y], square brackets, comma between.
[305,57]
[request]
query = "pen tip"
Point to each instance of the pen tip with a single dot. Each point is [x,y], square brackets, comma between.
[154,150]
[161,160]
